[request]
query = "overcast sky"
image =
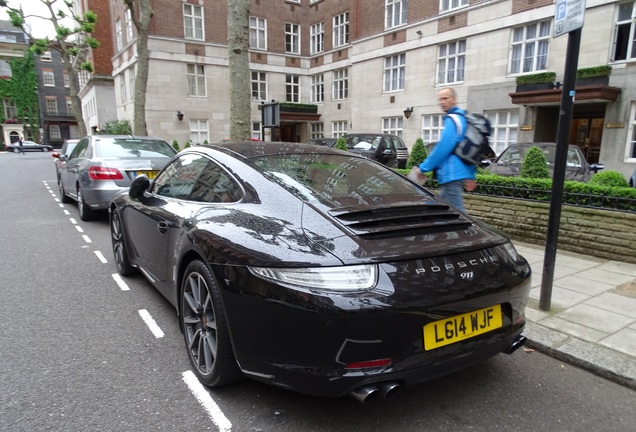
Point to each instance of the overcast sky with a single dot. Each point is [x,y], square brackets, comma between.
[39,27]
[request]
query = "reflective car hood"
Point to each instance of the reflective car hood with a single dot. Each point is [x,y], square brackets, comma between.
[402,231]
[362,152]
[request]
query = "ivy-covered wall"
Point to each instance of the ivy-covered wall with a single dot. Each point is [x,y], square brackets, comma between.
[21,89]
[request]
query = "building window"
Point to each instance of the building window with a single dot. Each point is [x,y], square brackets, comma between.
[432,126]
[10,110]
[122,89]
[196,80]
[530,48]
[48,78]
[340,84]
[505,127]
[198,131]
[51,106]
[338,129]
[69,106]
[631,135]
[451,62]
[625,32]
[292,38]
[5,69]
[54,132]
[46,56]
[317,88]
[67,80]
[129,26]
[317,130]
[73,131]
[259,86]
[119,42]
[256,130]
[292,88]
[395,13]
[393,125]
[341,29]
[258,33]
[317,38]
[394,72]
[131,81]
[193,21]
[446,5]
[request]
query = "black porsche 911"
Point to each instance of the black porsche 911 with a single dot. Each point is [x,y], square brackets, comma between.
[317,270]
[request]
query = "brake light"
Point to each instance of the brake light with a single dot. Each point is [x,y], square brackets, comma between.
[104,173]
[369,364]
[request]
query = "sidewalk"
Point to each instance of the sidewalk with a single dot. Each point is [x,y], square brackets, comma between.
[592,321]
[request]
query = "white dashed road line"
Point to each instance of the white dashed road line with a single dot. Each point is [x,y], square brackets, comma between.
[206,401]
[120,282]
[101,257]
[150,322]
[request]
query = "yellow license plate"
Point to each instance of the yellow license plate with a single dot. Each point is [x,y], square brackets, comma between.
[150,174]
[460,327]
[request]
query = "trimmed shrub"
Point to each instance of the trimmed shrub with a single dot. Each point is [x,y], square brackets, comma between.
[175,145]
[117,127]
[609,178]
[341,144]
[535,165]
[417,155]
[187,144]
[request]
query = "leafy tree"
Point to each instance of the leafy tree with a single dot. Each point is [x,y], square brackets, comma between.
[417,155]
[117,127]
[609,178]
[535,164]
[341,144]
[71,43]
[238,46]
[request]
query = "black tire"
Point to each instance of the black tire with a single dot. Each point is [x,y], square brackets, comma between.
[85,212]
[65,198]
[119,247]
[204,327]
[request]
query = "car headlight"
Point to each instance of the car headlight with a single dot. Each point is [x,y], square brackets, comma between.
[511,251]
[343,278]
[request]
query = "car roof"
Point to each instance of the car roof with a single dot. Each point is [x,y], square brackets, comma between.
[250,149]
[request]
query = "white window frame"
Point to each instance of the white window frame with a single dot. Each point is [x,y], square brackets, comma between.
[46,56]
[199,131]
[196,80]
[73,131]
[317,88]
[630,144]
[340,85]
[48,78]
[258,33]
[527,45]
[131,81]
[193,27]
[123,95]
[129,26]
[505,128]
[55,132]
[69,106]
[451,62]
[292,88]
[394,73]
[340,30]
[5,69]
[393,125]
[339,128]
[259,86]
[256,130]
[317,130]
[292,38]
[317,38]
[448,5]
[625,18]
[432,126]
[67,79]
[119,37]
[51,106]
[395,13]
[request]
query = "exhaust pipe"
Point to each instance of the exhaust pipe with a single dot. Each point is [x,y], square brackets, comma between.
[366,393]
[388,389]
[514,346]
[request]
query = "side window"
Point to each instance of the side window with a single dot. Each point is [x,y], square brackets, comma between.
[214,185]
[178,179]
[512,156]
[80,149]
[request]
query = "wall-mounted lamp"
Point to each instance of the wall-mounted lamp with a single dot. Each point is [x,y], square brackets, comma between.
[179,115]
[419,32]
[407,112]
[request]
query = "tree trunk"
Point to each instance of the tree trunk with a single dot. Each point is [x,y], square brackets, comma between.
[238,46]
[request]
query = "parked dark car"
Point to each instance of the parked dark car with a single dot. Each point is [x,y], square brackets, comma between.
[329,142]
[318,271]
[60,158]
[632,179]
[28,146]
[509,162]
[387,149]
[100,166]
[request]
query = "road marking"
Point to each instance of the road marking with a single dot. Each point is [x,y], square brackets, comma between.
[120,282]
[73,221]
[79,228]
[66,212]
[57,199]
[87,239]
[61,205]
[206,401]
[101,257]
[152,325]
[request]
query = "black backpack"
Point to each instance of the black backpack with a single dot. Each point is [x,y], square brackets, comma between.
[474,148]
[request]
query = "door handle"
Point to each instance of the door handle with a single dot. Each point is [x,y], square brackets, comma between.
[162,227]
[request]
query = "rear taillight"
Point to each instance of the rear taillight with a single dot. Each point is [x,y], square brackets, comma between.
[103,173]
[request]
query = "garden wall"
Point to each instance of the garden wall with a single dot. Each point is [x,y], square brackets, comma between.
[601,233]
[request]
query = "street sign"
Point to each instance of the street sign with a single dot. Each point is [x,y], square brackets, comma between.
[568,16]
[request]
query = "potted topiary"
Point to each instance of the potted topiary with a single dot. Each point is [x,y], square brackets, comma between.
[593,76]
[537,81]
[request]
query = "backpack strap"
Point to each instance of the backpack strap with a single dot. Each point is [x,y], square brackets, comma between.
[458,123]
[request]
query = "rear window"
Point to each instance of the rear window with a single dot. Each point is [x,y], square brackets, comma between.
[131,147]
[364,142]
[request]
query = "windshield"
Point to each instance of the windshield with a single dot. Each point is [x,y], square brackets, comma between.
[337,180]
[131,147]
[363,142]
[516,155]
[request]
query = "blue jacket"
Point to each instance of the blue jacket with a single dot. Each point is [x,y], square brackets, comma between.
[447,166]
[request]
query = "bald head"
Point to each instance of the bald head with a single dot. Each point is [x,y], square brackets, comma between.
[446,98]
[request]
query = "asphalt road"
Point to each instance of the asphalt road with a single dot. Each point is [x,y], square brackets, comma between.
[78,352]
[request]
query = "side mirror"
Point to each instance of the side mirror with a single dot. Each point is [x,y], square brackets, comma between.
[55,155]
[388,152]
[139,185]
[596,167]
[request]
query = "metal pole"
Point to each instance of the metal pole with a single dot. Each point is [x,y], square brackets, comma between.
[563,140]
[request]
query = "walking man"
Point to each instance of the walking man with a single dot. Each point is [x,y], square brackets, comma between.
[21,144]
[453,175]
